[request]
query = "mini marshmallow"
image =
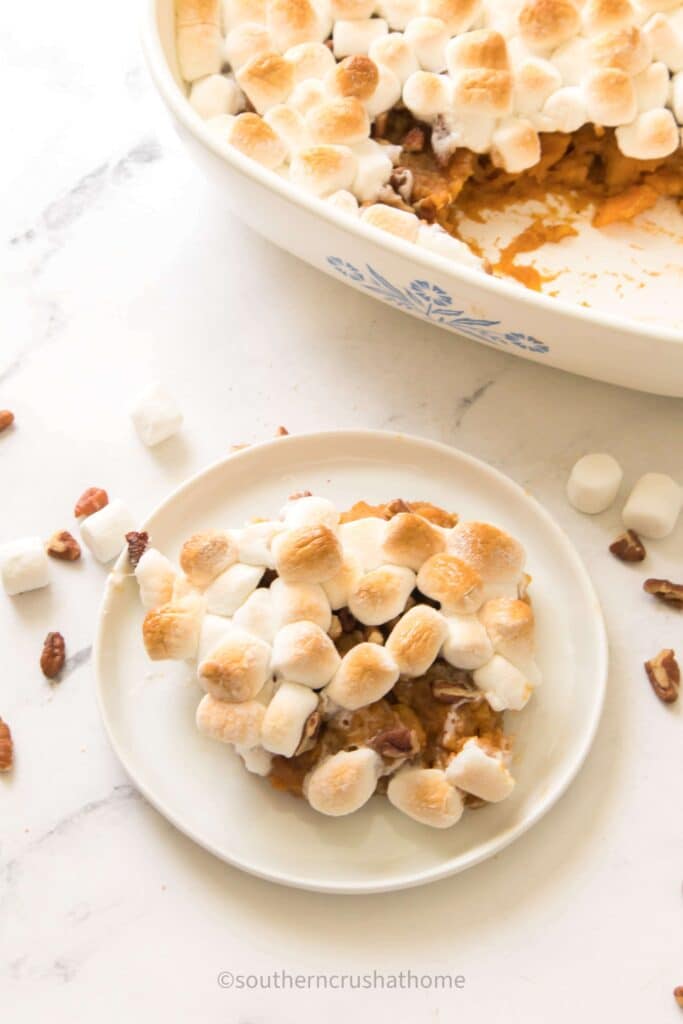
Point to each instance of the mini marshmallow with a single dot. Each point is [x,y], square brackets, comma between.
[156,415]
[386,95]
[476,771]
[323,169]
[231,589]
[341,122]
[428,38]
[566,110]
[104,532]
[216,95]
[515,146]
[285,718]
[307,95]
[254,137]
[355,76]
[290,127]
[302,653]
[356,37]
[416,639]
[484,92]
[24,565]
[665,40]
[381,594]
[425,795]
[572,61]
[292,22]
[397,13]
[254,543]
[237,669]
[652,87]
[509,623]
[427,95]
[296,602]
[267,80]
[457,587]
[610,97]
[396,222]
[244,42]
[352,10]
[155,576]
[676,95]
[342,585]
[535,80]
[593,483]
[257,615]
[494,554]
[484,48]
[237,12]
[307,554]
[503,685]
[198,38]
[172,631]
[214,629]
[467,644]
[410,540]
[231,723]
[344,201]
[652,136]
[436,240]
[653,506]
[627,49]
[545,24]
[395,52]
[343,782]
[373,170]
[367,672]
[256,760]
[362,539]
[457,15]
[205,555]
[310,61]
[603,15]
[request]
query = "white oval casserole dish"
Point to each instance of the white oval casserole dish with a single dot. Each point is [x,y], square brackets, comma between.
[496,312]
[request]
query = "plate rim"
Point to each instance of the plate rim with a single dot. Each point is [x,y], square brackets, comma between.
[448,868]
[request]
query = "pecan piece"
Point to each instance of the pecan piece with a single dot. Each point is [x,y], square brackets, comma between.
[310,733]
[402,182]
[665,590]
[398,742]
[137,545]
[6,747]
[91,501]
[678,995]
[6,419]
[664,675]
[628,547]
[450,691]
[53,656]
[64,546]
[414,140]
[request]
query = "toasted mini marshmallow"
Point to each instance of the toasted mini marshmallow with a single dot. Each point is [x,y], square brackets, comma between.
[467,644]
[428,38]
[665,40]
[416,639]
[606,15]
[344,201]
[515,145]
[172,630]
[231,723]
[535,80]
[483,48]
[214,628]
[231,589]
[267,80]
[653,506]
[652,136]
[254,542]
[652,87]
[297,602]
[307,95]
[236,669]
[292,22]
[352,10]
[338,122]
[509,623]
[395,52]
[198,38]
[610,97]
[155,576]
[245,42]
[367,672]
[627,49]
[593,482]
[397,13]
[310,510]
[355,76]
[503,685]
[342,585]
[356,37]
[303,653]
[494,554]
[206,555]
[427,95]
[342,783]
[477,771]
[435,239]
[425,795]
[285,718]
[307,554]
[410,540]
[257,615]
[363,539]
[381,594]
[237,12]
[457,15]
[373,170]
[256,139]
[387,93]
[545,24]
[396,222]
[572,60]
[485,92]
[310,61]
[457,586]
[24,565]
[104,533]
[216,95]
[323,170]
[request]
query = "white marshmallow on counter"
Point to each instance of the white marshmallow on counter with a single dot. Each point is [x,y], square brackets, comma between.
[104,532]
[231,589]
[480,773]
[653,506]
[435,239]
[363,539]
[310,510]
[213,631]
[216,95]
[593,483]
[467,645]
[344,201]
[255,759]
[156,415]
[155,576]
[285,718]
[354,38]
[257,615]
[373,170]
[24,565]
[503,685]
[429,39]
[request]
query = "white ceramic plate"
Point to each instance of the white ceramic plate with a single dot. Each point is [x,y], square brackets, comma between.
[201,786]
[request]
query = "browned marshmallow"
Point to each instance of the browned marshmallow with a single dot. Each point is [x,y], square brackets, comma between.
[206,555]
[341,122]
[257,139]
[496,556]
[344,782]
[626,49]
[236,669]
[605,15]
[400,223]
[199,43]
[472,51]
[308,554]
[457,15]
[352,10]
[310,60]
[231,723]
[410,540]
[484,93]
[515,145]
[457,586]
[323,170]
[291,22]
[381,595]
[172,631]
[366,674]
[545,24]
[354,76]
[510,626]
[652,136]
[425,795]
[302,653]
[416,639]
[286,717]
[610,97]
[267,80]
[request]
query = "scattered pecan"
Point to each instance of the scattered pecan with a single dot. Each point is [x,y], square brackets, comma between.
[310,733]
[299,494]
[53,656]
[414,140]
[282,432]
[6,747]
[664,675]
[450,691]
[665,590]
[678,995]
[6,419]
[91,501]
[64,546]
[399,742]
[137,545]
[628,547]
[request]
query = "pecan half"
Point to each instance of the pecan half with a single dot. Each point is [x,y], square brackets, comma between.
[6,747]
[665,590]
[64,546]
[137,545]
[53,656]
[310,733]
[399,742]
[91,501]
[6,419]
[450,691]
[678,995]
[628,547]
[664,675]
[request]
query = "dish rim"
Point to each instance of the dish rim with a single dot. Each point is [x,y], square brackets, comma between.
[165,82]
[488,848]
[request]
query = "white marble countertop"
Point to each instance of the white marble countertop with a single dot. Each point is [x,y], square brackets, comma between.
[120,266]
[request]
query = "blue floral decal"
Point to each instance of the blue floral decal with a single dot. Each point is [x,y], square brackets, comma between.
[434,304]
